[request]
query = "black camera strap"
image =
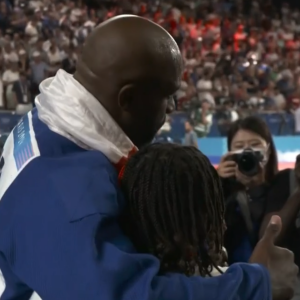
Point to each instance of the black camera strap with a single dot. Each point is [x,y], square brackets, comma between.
[242,201]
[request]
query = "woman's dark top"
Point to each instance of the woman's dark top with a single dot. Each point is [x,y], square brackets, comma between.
[239,242]
[277,196]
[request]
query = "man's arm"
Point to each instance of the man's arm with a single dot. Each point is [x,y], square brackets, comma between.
[63,249]
[68,267]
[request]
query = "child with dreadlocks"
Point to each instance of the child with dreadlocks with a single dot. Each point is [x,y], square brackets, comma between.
[175,208]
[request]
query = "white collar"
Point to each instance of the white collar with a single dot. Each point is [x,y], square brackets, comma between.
[71,111]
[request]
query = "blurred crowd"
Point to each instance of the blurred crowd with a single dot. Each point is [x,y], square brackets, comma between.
[240,56]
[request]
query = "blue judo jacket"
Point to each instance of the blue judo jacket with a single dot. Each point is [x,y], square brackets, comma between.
[59,234]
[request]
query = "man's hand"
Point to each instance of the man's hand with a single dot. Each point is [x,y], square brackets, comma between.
[279,262]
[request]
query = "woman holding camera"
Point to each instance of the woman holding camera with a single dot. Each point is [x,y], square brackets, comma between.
[246,170]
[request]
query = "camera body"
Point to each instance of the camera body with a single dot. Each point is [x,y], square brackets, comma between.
[248,161]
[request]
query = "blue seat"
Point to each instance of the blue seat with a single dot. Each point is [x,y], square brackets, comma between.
[214,130]
[288,127]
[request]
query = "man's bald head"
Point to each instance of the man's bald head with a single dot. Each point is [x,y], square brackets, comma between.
[131,64]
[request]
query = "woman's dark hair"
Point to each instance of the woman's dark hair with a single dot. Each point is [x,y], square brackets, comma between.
[175,207]
[259,127]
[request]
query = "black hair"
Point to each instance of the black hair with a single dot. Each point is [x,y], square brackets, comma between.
[191,122]
[174,208]
[258,126]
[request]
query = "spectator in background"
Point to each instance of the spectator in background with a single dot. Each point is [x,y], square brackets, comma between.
[202,118]
[205,87]
[23,61]
[21,94]
[54,58]
[238,55]
[279,100]
[10,54]
[163,134]
[69,62]
[296,112]
[38,47]
[32,30]
[10,76]
[190,138]
[39,71]
[225,116]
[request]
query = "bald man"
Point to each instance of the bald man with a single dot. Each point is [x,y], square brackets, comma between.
[60,200]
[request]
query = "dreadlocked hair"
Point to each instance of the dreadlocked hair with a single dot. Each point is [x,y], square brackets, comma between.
[175,208]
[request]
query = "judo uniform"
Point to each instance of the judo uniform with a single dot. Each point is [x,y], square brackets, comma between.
[59,209]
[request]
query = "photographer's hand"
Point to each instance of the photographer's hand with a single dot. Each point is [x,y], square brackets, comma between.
[226,167]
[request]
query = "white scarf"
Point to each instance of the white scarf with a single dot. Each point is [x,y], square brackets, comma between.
[71,111]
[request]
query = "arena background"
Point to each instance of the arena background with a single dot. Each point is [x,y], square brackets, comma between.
[214,146]
[282,125]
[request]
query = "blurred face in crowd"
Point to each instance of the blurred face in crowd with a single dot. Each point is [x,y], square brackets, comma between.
[39,44]
[205,105]
[38,15]
[247,139]
[3,7]
[14,66]
[16,37]
[22,56]
[188,126]
[37,59]
[23,77]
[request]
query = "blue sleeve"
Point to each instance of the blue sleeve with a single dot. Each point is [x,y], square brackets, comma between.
[73,249]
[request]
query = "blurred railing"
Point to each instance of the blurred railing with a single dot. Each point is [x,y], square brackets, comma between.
[280,123]
[8,120]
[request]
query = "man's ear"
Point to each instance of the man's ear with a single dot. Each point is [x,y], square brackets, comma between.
[126,97]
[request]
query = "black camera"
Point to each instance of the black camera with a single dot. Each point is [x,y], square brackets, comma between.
[248,161]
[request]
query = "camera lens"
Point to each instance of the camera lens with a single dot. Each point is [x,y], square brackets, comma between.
[247,163]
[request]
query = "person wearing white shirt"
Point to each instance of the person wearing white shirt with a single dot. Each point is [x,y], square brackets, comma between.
[204,88]
[272,57]
[9,77]
[204,85]
[11,74]
[9,54]
[31,30]
[54,55]
[55,58]
[279,99]
[181,93]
